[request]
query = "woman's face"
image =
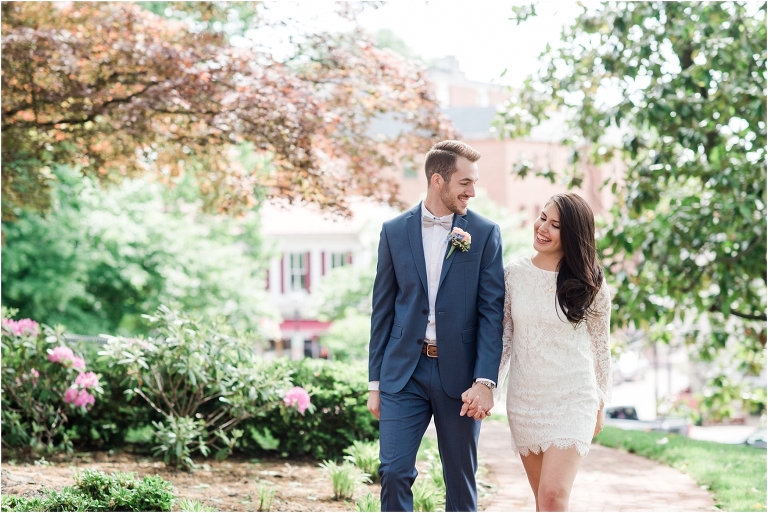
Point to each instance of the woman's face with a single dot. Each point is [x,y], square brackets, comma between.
[546,232]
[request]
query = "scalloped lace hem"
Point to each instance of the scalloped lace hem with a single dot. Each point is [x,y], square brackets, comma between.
[561,443]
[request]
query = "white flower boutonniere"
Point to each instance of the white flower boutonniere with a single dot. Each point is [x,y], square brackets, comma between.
[459,239]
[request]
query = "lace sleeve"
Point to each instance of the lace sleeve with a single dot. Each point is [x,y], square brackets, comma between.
[506,336]
[599,330]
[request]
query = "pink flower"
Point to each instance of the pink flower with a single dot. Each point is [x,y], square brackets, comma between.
[65,356]
[22,327]
[70,395]
[87,380]
[84,399]
[32,376]
[297,397]
[62,355]
[79,398]
[461,235]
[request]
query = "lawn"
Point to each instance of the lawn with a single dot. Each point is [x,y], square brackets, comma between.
[736,474]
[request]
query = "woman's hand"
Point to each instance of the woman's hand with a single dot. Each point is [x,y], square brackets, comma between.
[600,421]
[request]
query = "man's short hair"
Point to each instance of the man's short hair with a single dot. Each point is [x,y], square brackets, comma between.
[441,158]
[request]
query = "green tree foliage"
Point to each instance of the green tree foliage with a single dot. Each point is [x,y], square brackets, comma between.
[516,235]
[101,259]
[683,86]
[349,336]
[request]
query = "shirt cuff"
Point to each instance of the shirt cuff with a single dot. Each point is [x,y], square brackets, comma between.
[373,385]
[486,380]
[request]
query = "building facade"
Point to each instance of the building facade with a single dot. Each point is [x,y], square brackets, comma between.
[308,243]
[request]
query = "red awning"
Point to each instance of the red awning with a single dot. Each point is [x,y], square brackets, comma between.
[314,327]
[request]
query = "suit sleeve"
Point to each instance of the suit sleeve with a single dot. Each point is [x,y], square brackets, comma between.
[383,308]
[490,309]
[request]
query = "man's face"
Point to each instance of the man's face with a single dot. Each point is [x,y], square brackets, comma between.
[456,193]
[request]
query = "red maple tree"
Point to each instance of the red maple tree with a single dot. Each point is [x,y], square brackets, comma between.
[118,91]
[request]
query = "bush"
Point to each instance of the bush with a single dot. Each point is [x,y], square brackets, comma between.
[368,503]
[43,382]
[341,417]
[427,496]
[344,478]
[115,420]
[96,491]
[203,380]
[365,456]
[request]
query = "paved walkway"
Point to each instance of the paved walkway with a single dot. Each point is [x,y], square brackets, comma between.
[608,480]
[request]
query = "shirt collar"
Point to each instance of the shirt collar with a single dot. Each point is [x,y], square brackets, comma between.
[427,213]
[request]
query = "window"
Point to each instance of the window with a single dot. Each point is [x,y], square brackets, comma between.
[299,271]
[340,259]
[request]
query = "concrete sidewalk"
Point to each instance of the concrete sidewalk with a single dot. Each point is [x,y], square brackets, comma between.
[608,480]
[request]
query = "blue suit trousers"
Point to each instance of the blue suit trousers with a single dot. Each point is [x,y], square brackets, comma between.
[405,416]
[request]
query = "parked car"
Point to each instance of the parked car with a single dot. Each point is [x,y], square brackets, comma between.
[625,417]
[757,439]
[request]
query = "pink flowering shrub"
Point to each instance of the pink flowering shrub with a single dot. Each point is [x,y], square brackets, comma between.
[43,383]
[22,327]
[79,393]
[297,397]
[212,382]
[65,356]
[87,380]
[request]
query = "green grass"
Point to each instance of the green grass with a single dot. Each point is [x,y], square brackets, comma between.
[735,474]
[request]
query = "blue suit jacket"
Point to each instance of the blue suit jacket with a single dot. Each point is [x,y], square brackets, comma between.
[469,305]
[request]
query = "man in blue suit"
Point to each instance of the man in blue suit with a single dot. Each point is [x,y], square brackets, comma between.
[436,326]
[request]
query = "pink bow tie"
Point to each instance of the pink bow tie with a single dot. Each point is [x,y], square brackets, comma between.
[429,222]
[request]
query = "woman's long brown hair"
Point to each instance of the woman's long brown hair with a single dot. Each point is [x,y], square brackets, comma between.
[580,274]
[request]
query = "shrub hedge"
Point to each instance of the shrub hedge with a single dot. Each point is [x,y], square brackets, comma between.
[339,396]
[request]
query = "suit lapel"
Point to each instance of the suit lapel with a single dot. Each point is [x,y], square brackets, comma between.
[413,225]
[460,222]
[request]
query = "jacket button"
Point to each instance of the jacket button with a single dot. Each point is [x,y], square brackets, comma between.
[425,312]
[420,341]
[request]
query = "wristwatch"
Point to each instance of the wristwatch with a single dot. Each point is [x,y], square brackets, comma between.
[487,382]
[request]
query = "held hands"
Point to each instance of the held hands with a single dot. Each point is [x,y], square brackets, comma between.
[600,421]
[478,402]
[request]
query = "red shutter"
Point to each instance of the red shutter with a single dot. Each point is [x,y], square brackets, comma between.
[308,273]
[282,274]
[322,263]
[349,258]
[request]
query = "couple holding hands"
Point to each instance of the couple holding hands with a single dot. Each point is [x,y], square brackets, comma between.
[450,321]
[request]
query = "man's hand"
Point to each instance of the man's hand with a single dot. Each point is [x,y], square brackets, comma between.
[478,402]
[600,421]
[374,403]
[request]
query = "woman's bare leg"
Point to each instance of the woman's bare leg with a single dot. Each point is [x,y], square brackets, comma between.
[557,472]
[532,464]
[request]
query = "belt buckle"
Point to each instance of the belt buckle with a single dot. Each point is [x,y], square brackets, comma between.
[431,350]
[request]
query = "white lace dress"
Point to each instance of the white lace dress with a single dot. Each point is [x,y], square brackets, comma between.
[558,376]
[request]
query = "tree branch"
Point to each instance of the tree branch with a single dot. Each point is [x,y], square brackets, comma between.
[750,317]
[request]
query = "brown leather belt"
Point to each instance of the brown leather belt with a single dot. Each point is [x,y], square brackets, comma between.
[429,350]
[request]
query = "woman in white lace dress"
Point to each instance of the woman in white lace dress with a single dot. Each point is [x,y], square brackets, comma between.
[556,348]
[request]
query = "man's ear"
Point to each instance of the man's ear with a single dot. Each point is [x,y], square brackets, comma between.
[436,180]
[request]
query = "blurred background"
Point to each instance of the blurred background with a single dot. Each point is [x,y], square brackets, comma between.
[238,159]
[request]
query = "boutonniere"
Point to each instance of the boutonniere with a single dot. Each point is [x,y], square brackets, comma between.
[459,239]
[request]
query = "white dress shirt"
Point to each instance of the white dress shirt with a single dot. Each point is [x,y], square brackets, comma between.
[435,242]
